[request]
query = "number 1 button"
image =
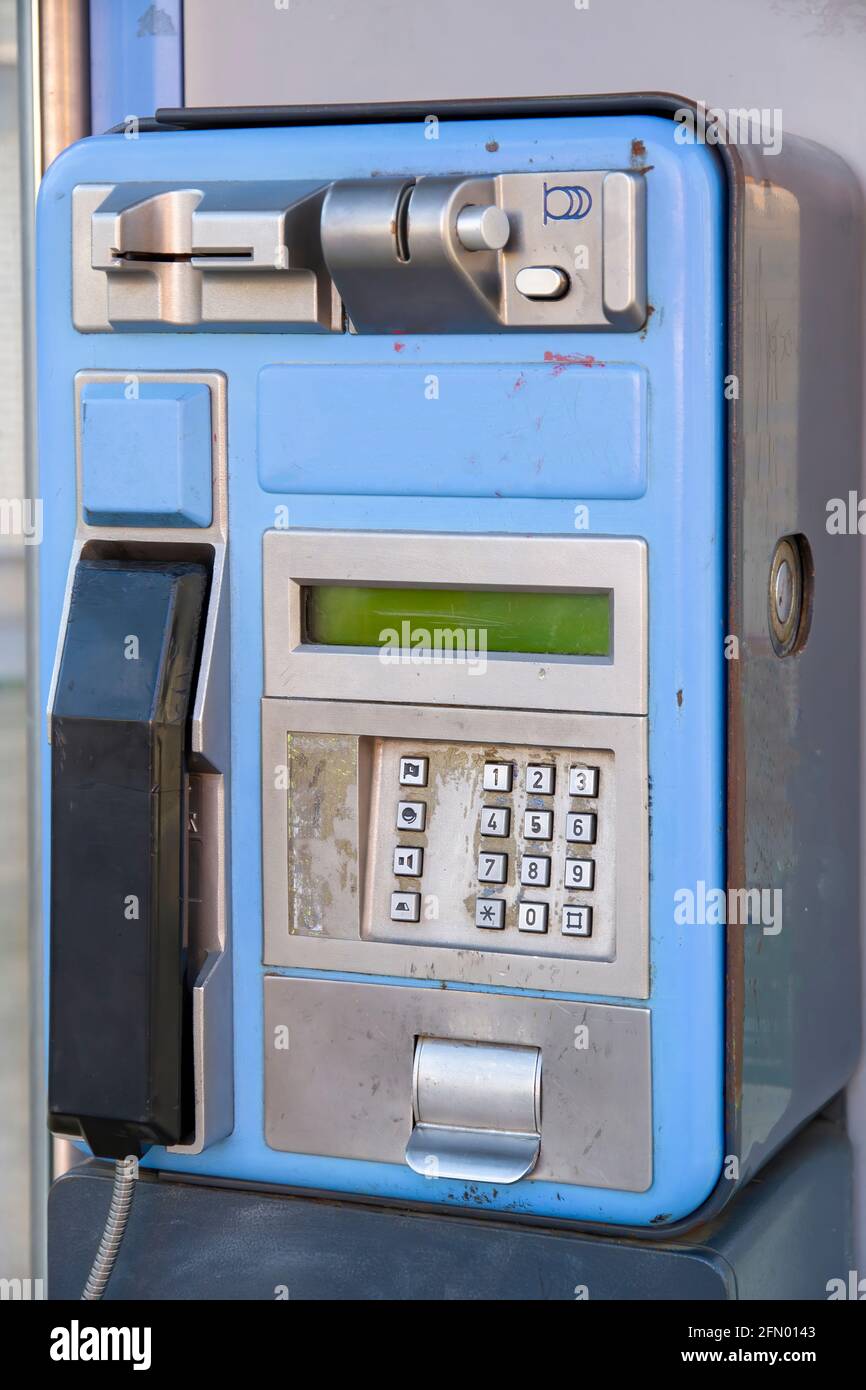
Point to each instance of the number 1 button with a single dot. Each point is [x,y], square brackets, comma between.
[497,777]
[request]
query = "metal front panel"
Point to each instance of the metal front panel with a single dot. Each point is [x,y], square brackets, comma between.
[329,835]
[339,1059]
[616,685]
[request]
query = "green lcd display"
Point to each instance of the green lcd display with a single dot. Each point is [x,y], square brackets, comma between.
[496,620]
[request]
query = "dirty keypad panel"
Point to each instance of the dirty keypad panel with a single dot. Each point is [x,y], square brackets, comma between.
[492,847]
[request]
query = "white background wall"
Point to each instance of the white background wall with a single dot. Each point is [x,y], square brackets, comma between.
[806,57]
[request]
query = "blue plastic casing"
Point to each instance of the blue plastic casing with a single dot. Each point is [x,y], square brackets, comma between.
[641,456]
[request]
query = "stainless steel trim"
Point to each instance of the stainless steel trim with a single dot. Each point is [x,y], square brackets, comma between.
[626,975]
[340,1057]
[295,558]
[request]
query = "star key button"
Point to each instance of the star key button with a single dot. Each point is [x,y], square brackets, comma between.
[490,912]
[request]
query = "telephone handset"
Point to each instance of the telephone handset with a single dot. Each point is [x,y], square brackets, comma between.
[120,1068]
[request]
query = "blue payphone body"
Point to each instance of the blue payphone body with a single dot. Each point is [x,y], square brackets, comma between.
[512,847]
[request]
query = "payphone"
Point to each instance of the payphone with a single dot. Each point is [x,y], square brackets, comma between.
[452,790]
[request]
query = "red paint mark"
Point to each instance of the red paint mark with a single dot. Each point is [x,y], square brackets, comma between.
[561,360]
[398,347]
[521,381]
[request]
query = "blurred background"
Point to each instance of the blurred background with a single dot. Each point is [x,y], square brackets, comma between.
[805,57]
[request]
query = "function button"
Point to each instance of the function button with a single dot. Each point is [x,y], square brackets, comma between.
[411,815]
[580,873]
[532,917]
[495,820]
[535,870]
[492,868]
[583,781]
[497,777]
[580,828]
[576,920]
[490,912]
[405,907]
[408,861]
[541,282]
[538,825]
[540,778]
[413,772]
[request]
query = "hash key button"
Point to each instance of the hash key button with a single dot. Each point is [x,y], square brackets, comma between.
[576,920]
[405,907]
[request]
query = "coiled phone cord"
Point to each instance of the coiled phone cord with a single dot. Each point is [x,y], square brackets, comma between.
[125,1174]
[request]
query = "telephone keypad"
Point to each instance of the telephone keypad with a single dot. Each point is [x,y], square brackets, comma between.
[534,809]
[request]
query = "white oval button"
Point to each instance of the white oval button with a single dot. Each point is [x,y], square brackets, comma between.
[541,282]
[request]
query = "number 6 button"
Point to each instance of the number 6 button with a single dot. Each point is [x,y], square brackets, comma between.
[580,828]
[492,868]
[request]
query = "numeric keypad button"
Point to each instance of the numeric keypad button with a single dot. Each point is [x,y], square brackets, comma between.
[580,873]
[492,868]
[495,820]
[497,777]
[535,870]
[583,781]
[540,779]
[538,825]
[580,828]
[532,917]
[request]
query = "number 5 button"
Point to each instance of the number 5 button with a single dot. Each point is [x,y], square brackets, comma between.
[580,828]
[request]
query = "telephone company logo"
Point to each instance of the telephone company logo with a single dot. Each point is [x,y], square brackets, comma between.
[566,202]
[77,1343]
[439,646]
